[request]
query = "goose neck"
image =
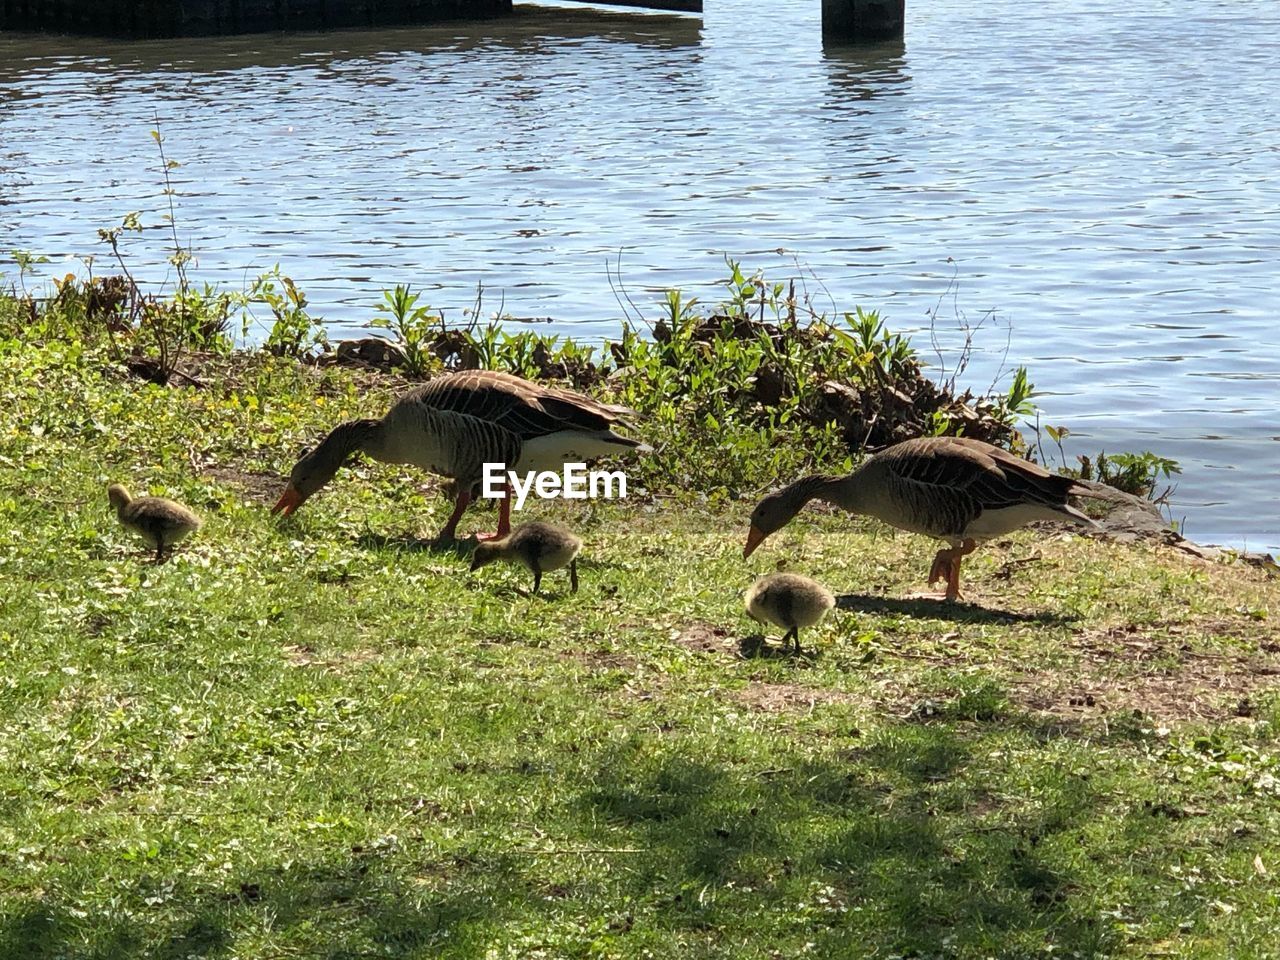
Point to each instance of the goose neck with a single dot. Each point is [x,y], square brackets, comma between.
[354,436]
[847,492]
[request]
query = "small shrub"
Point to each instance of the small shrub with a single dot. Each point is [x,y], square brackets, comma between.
[736,397]
[415,327]
[293,332]
[1136,473]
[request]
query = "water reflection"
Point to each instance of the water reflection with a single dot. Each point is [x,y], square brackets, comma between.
[857,74]
[338,54]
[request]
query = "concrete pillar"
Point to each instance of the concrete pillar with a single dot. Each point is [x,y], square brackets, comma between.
[854,21]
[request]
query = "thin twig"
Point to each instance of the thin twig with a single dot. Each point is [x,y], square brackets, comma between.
[625,312]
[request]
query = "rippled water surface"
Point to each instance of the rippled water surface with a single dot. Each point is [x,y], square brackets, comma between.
[1105,178]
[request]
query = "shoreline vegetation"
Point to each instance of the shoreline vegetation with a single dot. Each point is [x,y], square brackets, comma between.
[322,737]
[757,387]
[760,368]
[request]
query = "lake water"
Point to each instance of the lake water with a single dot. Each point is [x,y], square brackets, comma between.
[1105,178]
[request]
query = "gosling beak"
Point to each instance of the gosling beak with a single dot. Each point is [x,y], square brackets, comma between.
[755,536]
[289,501]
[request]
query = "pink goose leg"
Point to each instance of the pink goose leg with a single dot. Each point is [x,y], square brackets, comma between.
[504,517]
[450,531]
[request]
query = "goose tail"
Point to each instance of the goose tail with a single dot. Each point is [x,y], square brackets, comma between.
[1080,517]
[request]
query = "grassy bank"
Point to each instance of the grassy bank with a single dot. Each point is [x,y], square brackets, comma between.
[318,738]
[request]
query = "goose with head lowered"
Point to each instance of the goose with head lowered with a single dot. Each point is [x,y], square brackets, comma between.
[457,423]
[955,489]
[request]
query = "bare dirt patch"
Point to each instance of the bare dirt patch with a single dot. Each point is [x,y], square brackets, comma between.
[305,655]
[261,487]
[598,661]
[1126,670]
[706,638]
[711,640]
[791,697]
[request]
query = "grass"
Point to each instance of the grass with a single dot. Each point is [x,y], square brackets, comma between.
[316,738]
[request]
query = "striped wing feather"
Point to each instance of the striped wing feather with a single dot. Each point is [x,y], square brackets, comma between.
[483,416]
[947,483]
[526,409]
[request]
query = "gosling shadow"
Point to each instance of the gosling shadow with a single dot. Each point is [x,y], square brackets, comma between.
[929,609]
[599,563]
[756,646]
[511,591]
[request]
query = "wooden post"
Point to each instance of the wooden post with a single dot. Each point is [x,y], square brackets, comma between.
[856,21]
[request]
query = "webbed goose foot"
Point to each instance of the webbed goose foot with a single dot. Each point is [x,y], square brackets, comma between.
[504,518]
[946,564]
[945,567]
[941,568]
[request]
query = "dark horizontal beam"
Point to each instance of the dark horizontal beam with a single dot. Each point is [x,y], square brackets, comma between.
[176,18]
[682,6]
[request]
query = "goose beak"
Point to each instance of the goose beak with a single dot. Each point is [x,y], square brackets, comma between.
[755,536]
[289,501]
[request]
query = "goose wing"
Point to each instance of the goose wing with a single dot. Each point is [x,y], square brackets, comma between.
[525,409]
[944,484]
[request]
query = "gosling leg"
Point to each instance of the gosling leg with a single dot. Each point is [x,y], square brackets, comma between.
[573,575]
[794,634]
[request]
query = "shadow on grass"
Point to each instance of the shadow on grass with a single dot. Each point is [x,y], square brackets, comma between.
[343,909]
[929,609]
[461,548]
[885,854]
[893,847]
[757,646]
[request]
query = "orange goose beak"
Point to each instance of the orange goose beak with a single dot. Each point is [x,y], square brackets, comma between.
[289,501]
[755,536]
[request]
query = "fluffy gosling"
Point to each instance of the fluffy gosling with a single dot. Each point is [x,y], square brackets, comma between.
[539,546]
[790,601]
[159,521]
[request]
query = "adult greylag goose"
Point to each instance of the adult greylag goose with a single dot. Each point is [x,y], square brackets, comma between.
[159,521]
[539,546]
[955,489]
[458,422]
[789,601]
